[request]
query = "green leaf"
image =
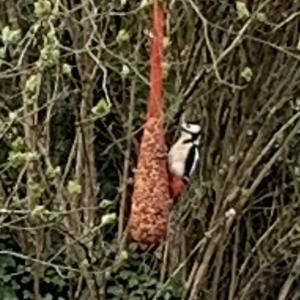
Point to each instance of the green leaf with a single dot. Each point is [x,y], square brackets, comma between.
[115,290]
[247,74]
[27,295]
[108,219]
[10,297]
[150,282]
[13,115]
[74,188]
[32,156]
[53,173]
[15,286]
[42,8]
[139,293]
[123,36]
[26,279]
[7,261]
[125,70]
[50,53]
[48,297]
[133,246]
[38,211]
[6,278]
[37,189]
[125,274]
[242,10]
[133,282]
[280,138]
[17,159]
[67,69]
[10,36]
[151,292]
[31,88]
[261,17]
[18,144]
[32,83]
[102,108]
[123,255]
[105,203]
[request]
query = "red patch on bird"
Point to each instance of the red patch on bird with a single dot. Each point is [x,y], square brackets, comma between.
[177,187]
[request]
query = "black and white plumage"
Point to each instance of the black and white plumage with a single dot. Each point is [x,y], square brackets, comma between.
[184,154]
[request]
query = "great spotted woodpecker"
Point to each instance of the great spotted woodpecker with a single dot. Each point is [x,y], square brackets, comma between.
[183,157]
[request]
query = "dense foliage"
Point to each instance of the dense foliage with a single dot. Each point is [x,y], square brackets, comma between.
[73,90]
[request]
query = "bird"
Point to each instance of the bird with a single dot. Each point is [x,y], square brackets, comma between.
[183,157]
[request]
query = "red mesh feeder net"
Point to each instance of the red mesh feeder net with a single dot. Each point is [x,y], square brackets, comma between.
[151,201]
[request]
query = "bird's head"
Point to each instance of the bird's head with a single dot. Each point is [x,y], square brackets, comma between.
[191,127]
[191,130]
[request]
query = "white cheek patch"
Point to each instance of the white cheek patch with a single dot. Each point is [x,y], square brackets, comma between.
[192,128]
